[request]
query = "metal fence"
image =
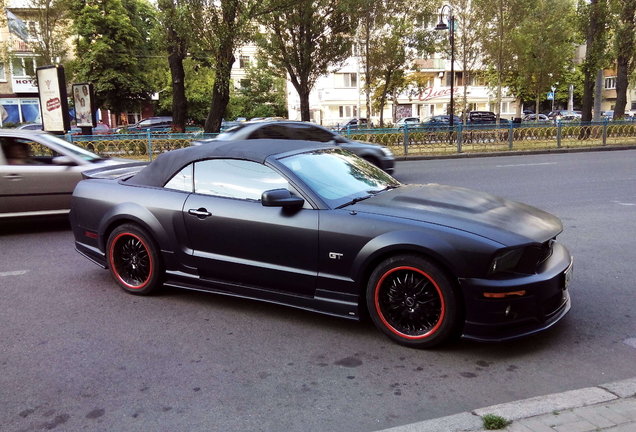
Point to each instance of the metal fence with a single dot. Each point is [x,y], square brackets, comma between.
[423,140]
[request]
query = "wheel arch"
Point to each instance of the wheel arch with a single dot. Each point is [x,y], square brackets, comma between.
[131,213]
[431,247]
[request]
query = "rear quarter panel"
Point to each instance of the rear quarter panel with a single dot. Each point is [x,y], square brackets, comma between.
[99,206]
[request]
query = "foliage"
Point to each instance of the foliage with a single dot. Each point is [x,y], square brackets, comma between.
[52,30]
[493,422]
[113,50]
[198,85]
[308,39]
[392,40]
[261,93]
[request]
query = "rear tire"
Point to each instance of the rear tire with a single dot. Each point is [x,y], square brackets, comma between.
[414,302]
[134,261]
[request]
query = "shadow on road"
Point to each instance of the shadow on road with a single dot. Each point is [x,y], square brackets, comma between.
[27,225]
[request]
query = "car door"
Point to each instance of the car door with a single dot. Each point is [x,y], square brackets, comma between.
[36,183]
[237,240]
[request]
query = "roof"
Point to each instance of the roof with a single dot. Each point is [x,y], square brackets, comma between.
[162,169]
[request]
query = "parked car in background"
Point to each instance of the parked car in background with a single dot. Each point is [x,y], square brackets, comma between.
[533,118]
[38,172]
[30,126]
[352,124]
[380,156]
[485,117]
[152,124]
[315,227]
[439,121]
[409,121]
[99,129]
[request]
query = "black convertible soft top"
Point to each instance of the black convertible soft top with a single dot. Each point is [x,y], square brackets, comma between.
[162,169]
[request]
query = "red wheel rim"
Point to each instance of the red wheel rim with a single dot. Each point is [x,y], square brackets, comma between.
[409,303]
[131,261]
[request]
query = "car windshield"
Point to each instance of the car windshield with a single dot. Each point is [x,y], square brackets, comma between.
[77,151]
[339,177]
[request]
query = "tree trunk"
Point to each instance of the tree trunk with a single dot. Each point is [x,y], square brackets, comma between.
[591,65]
[221,89]
[178,52]
[622,82]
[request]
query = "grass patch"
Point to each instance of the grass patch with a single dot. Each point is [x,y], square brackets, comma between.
[494,422]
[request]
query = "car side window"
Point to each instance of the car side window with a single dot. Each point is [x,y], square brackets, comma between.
[270,132]
[308,132]
[233,178]
[182,180]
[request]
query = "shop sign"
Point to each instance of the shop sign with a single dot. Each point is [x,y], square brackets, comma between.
[24,85]
[440,92]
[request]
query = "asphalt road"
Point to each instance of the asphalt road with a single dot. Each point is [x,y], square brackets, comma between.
[77,353]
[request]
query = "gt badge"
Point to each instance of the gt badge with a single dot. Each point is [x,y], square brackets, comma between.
[335,255]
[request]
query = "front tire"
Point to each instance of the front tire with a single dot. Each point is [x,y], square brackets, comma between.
[134,261]
[414,302]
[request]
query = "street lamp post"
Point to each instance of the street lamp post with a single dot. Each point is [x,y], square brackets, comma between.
[451,36]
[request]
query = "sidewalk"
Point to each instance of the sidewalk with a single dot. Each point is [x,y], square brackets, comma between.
[608,407]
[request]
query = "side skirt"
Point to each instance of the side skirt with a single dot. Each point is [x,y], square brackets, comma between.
[323,302]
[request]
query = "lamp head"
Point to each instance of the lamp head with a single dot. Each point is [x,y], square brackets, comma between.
[441,26]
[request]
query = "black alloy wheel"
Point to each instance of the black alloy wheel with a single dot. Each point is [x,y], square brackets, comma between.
[133,260]
[413,301]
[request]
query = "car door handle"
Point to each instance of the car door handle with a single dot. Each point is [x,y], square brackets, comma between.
[13,177]
[200,213]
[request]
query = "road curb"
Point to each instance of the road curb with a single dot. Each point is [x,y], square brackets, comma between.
[472,421]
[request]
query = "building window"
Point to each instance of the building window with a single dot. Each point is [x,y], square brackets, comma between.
[346,80]
[610,83]
[348,111]
[23,67]
[244,61]
[3,77]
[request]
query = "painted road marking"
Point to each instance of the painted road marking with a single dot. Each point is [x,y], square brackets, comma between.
[520,165]
[13,273]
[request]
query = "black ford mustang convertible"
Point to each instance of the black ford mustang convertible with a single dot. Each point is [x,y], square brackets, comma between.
[315,227]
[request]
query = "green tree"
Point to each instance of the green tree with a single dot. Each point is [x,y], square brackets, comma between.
[174,19]
[308,39]
[198,84]
[624,50]
[113,50]
[392,41]
[544,44]
[261,93]
[52,30]
[593,17]
[222,26]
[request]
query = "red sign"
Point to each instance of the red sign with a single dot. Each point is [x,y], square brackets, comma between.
[53,104]
[431,93]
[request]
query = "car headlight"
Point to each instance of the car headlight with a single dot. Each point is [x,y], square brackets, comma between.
[387,152]
[505,261]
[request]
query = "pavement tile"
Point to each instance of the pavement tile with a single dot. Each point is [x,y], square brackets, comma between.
[518,427]
[611,415]
[535,425]
[562,417]
[631,427]
[579,426]
[595,416]
[625,407]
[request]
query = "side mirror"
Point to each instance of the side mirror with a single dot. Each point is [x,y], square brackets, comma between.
[63,160]
[280,198]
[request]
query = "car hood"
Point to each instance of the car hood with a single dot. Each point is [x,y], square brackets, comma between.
[501,220]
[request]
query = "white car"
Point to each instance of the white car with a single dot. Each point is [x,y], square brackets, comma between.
[409,121]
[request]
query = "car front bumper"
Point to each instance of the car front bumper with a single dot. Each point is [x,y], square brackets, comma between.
[546,300]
